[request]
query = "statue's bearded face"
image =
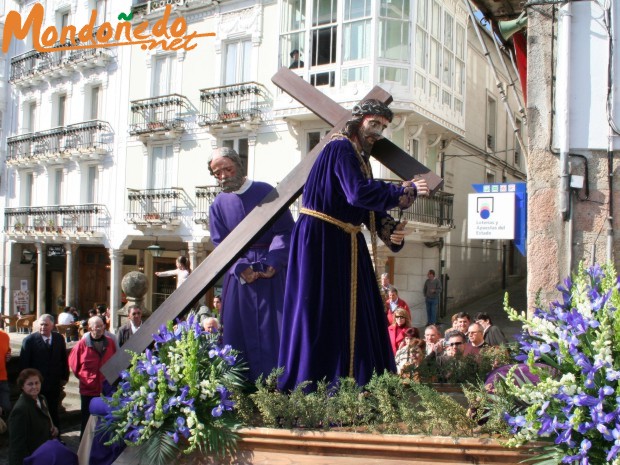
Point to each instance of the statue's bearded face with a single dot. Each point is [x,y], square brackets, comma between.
[370,131]
[227,174]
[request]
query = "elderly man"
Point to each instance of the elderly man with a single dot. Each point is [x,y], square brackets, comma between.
[47,352]
[134,321]
[334,318]
[253,288]
[433,339]
[86,360]
[476,336]
[211,325]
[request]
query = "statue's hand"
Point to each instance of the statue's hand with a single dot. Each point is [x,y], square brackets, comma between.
[268,273]
[249,275]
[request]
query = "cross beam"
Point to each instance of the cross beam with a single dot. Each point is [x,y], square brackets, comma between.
[254,224]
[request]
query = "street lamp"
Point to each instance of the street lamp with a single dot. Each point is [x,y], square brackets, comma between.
[155,249]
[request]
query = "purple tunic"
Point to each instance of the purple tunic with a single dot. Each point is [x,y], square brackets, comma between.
[252,313]
[315,326]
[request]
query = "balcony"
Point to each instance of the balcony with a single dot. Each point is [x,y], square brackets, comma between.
[237,106]
[205,195]
[159,117]
[60,221]
[90,140]
[156,207]
[152,8]
[33,67]
[428,213]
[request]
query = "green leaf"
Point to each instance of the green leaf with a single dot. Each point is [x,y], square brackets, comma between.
[159,449]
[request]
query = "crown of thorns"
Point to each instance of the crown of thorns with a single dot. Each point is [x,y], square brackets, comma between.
[372,107]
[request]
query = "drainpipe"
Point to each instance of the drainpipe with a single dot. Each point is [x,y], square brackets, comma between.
[563,118]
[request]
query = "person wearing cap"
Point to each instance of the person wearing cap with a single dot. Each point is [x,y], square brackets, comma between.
[334,322]
[253,287]
[296,62]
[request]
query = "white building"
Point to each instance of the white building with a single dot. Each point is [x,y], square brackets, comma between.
[107,149]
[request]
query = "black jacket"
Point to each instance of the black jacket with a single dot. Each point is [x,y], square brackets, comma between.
[51,362]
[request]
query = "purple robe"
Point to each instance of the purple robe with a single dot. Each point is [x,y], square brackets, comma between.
[315,326]
[252,313]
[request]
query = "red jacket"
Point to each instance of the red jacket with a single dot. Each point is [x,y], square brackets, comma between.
[86,363]
[397,335]
[399,303]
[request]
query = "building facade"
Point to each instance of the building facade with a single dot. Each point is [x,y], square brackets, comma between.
[106,149]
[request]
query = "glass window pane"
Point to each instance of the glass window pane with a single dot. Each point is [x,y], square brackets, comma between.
[460,41]
[324,46]
[394,40]
[293,15]
[433,91]
[459,76]
[422,18]
[447,68]
[435,20]
[448,31]
[354,9]
[446,98]
[359,74]
[421,39]
[324,12]
[458,106]
[290,42]
[434,59]
[356,42]
[391,74]
[420,81]
[397,9]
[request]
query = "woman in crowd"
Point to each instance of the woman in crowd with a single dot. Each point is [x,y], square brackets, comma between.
[410,357]
[30,424]
[402,321]
[182,271]
[403,354]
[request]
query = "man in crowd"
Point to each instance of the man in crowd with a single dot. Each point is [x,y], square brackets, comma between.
[211,325]
[47,352]
[334,317]
[463,320]
[253,288]
[134,321]
[86,360]
[66,317]
[432,291]
[393,303]
[433,339]
[476,336]
[493,335]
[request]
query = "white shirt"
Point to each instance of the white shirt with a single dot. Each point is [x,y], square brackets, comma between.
[65,318]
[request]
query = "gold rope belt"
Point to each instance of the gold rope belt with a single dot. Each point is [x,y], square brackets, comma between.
[352,230]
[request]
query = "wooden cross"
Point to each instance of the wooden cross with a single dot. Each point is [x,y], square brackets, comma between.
[263,216]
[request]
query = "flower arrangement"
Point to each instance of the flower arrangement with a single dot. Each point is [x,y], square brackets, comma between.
[575,402]
[177,397]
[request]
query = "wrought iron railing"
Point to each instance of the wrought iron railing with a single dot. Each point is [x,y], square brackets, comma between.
[57,219]
[34,62]
[151,6]
[164,113]
[156,206]
[205,195]
[88,136]
[436,210]
[239,102]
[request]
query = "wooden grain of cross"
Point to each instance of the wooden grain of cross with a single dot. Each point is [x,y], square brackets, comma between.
[263,216]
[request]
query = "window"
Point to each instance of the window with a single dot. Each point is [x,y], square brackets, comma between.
[414,148]
[491,122]
[240,146]
[313,138]
[293,34]
[490,177]
[161,167]
[161,82]
[323,37]
[101,6]
[394,30]
[237,62]
[94,103]
[92,184]
[30,117]
[62,19]
[61,108]
[57,180]
[356,40]
[27,189]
